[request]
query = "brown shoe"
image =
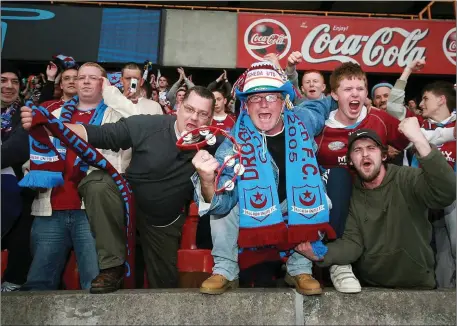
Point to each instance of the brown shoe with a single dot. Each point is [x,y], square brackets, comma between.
[304,284]
[109,280]
[217,284]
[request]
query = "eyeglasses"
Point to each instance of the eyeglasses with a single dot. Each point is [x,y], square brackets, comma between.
[202,115]
[270,98]
[68,78]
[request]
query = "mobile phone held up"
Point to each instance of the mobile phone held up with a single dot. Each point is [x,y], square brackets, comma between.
[133,85]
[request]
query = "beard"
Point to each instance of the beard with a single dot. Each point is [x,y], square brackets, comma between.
[370,176]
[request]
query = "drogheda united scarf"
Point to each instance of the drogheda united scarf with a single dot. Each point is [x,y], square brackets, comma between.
[51,162]
[47,163]
[261,220]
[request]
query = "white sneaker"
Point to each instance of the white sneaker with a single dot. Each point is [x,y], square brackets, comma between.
[344,280]
[10,287]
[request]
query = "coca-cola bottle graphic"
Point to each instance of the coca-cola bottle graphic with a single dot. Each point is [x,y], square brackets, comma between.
[449,45]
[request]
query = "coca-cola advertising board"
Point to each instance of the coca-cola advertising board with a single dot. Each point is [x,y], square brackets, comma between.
[378,45]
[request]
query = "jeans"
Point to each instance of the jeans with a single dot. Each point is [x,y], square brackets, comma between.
[339,189]
[445,235]
[52,238]
[224,232]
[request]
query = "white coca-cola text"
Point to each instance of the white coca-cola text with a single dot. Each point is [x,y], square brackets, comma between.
[268,40]
[377,48]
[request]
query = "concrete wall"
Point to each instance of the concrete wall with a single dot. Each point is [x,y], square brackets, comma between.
[281,306]
[199,38]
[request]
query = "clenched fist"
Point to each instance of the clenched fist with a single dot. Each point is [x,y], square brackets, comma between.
[411,129]
[306,250]
[416,64]
[26,117]
[206,166]
[294,59]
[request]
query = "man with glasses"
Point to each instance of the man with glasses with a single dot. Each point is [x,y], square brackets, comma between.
[68,85]
[265,131]
[159,174]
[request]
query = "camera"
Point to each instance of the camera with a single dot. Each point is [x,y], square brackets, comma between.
[133,85]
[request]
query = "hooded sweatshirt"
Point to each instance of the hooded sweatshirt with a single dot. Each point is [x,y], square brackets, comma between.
[387,232]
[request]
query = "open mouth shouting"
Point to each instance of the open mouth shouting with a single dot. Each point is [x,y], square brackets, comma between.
[264,117]
[354,106]
[366,165]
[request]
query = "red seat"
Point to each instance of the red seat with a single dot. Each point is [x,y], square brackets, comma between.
[190,258]
[4,261]
[71,274]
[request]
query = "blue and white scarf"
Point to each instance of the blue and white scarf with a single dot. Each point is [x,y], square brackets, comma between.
[68,109]
[47,159]
[261,220]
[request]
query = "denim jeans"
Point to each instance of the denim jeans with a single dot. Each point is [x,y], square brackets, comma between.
[52,238]
[339,190]
[224,232]
[445,235]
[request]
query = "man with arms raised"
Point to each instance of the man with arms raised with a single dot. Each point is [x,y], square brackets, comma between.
[348,83]
[313,84]
[438,110]
[387,233]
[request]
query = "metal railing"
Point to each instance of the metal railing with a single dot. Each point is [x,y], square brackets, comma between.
[420,16]
[428,9]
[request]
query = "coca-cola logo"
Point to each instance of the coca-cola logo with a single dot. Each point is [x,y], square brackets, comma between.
[449,46]
[267,36]
[376,48]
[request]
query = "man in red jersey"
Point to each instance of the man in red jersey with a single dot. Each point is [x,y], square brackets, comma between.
[68,86]
[438,104]
[348,84]
[221,119]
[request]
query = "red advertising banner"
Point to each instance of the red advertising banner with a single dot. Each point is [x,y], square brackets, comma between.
[378,45]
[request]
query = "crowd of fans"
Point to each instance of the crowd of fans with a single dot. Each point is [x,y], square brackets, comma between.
[389,196]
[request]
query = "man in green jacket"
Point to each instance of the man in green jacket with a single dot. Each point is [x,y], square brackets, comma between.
[387,232]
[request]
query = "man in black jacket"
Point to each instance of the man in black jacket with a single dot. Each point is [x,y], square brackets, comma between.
[16,202]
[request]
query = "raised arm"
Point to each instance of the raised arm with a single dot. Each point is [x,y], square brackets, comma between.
[435,183]
[396,101]
[291,70]
[113,98]
[314,113]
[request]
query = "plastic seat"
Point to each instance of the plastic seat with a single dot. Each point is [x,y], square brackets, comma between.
[4,261]
[71,275]
[194,265]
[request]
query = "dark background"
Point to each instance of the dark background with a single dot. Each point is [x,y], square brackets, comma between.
[78,34]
